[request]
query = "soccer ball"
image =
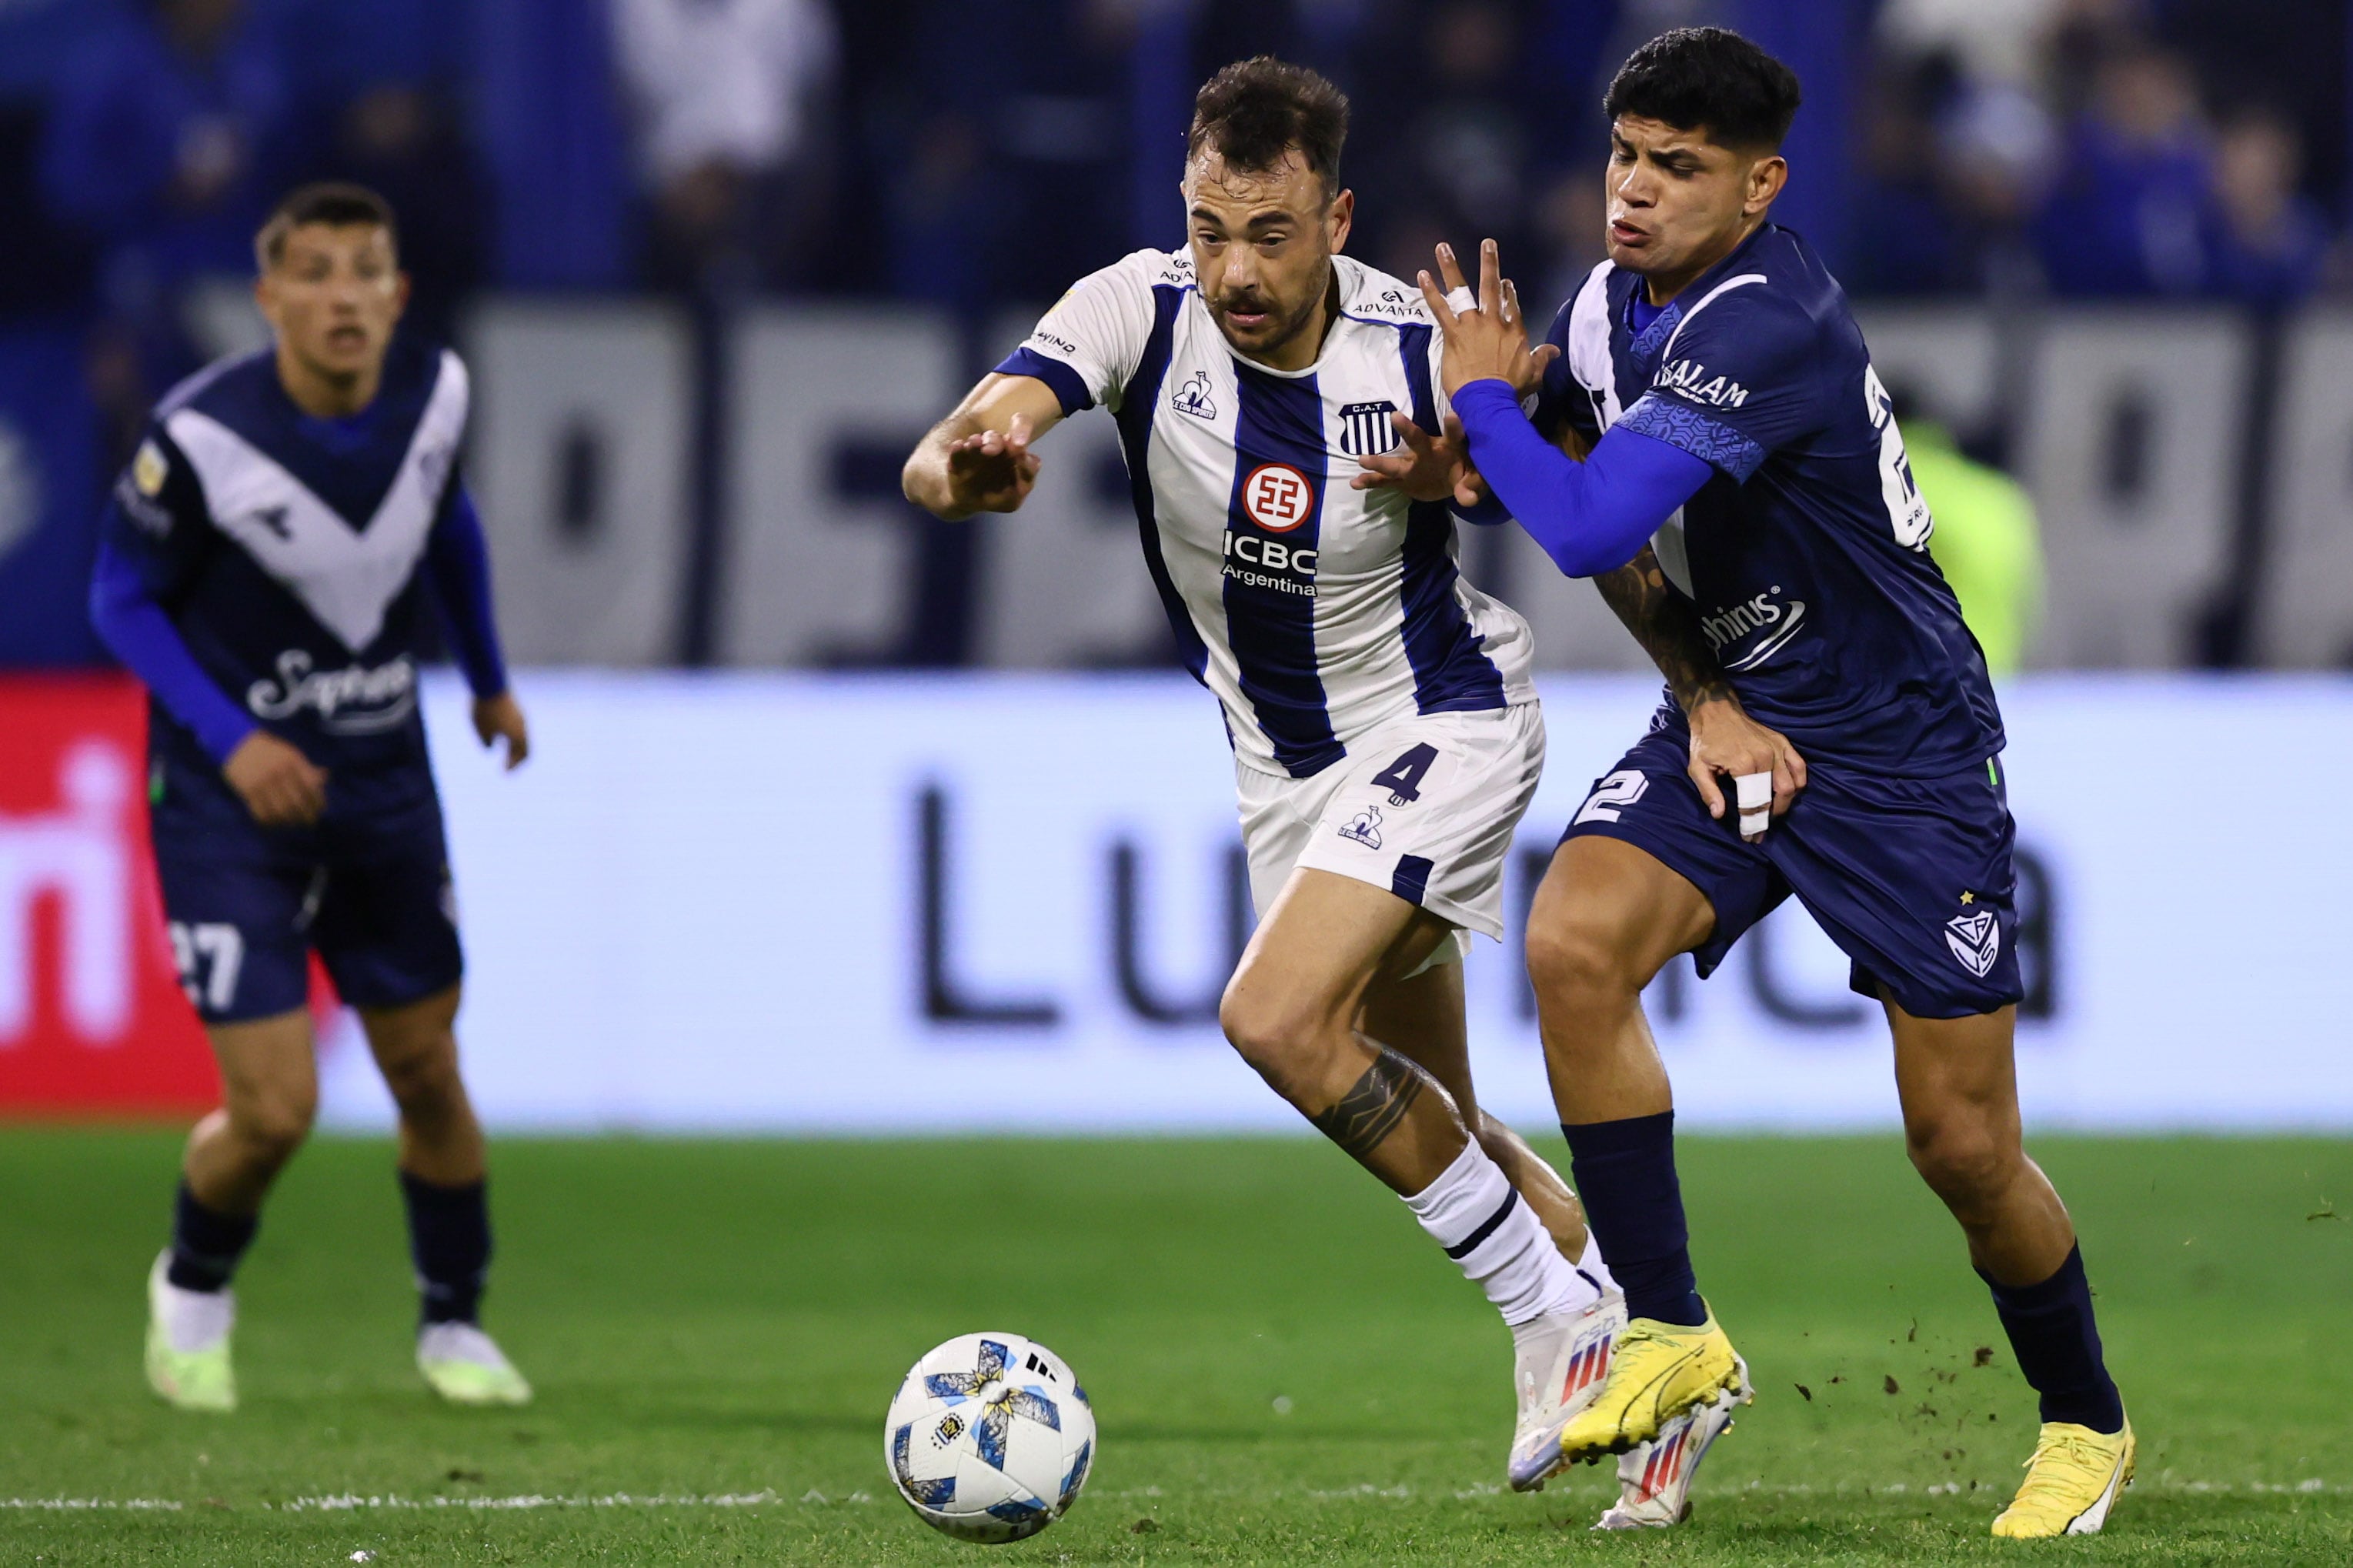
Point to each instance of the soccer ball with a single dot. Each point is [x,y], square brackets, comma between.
[990,1437]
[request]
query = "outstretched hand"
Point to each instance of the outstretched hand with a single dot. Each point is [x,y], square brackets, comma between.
[993,470]
[1427,468]
[1490,341]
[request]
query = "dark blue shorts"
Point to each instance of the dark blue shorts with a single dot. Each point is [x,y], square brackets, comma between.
[368,890]
[1912,878]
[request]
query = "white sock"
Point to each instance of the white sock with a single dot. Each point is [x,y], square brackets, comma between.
[1485,1225]
[196,1319]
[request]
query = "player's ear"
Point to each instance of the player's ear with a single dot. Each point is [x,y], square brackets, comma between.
[1339,218]
[1767,176]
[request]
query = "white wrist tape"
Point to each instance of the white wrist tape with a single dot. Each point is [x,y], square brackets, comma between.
[1462,301]
[1755,792]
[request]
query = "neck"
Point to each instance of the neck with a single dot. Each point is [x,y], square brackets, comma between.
[1300,349]
[1662,286]
[321,393]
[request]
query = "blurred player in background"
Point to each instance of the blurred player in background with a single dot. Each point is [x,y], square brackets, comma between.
[1713,370]
[265,568]
[1988,544]
[1386,736]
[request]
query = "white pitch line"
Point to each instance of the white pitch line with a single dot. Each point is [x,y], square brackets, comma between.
[345,1502]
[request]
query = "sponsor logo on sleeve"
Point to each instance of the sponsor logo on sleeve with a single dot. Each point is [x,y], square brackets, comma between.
[1690,380]
[1365,827]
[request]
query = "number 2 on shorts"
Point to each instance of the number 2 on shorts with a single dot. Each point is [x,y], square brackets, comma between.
[1620,789]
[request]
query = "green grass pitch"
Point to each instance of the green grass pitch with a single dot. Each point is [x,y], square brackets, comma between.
[1284,1370]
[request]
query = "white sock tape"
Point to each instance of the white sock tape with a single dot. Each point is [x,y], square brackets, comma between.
[1755,792]
[1462,301]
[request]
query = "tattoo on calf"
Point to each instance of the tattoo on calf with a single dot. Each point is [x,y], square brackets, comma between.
[1370,1111]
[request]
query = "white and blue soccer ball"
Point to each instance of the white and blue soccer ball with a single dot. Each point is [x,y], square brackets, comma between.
[990,1437]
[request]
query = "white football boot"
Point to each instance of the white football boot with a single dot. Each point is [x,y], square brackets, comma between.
[1562,1359]
[1654,1479]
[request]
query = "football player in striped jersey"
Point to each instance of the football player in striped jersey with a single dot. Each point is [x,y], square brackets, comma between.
[1386,735]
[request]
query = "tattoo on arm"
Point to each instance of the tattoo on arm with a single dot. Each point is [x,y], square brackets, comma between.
[1667,626]
[1371,1110]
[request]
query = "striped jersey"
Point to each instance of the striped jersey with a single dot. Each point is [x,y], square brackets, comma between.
[1315,612]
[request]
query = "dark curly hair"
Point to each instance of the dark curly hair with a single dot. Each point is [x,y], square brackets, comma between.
[1708,78]
[1255,111]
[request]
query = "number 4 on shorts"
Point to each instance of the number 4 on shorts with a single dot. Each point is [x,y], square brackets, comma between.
[1403,777]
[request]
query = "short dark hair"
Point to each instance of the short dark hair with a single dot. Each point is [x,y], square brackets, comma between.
[1255,111]
[1707,79]
[332,202]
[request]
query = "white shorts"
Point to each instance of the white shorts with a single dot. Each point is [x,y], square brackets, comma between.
[1425,807]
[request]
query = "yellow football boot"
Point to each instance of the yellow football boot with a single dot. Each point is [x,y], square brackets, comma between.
[1657,1371]
[2072,1482]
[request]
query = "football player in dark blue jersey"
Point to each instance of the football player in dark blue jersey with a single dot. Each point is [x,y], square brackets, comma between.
[1725,402]
[265,567]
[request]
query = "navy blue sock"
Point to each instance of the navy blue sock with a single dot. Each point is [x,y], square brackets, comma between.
[206,1243]
[2058,1345]
[450,1238]
[1625,1172]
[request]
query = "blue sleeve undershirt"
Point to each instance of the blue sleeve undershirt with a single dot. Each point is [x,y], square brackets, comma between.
[458,562]
[1590,517]
[135,629]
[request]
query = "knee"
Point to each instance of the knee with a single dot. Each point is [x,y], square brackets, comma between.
[1575,964]
[271,1125]
[1962,1160]
[423,1081]
[1277,1038]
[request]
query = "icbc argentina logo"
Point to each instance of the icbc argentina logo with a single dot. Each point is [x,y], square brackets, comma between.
[1277,497]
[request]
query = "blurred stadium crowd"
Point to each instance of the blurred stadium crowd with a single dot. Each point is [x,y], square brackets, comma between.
[971,158]
[962,153]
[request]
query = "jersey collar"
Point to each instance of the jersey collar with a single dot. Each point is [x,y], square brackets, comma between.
[1648,344]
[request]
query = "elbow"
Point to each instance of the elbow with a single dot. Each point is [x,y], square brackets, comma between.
[1582,560]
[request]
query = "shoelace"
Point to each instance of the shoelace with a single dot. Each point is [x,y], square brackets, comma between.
[2075,1461]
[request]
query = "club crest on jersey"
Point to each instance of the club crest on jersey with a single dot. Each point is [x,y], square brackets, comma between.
[1277,497]
[1976,940]
[1193,397]
[1365,428]
[1365,827]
